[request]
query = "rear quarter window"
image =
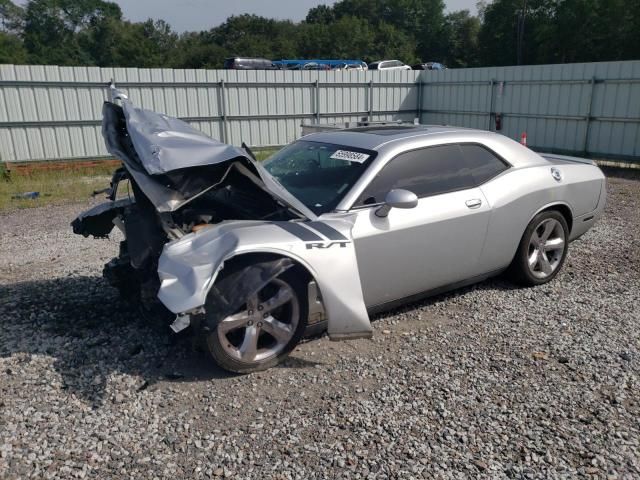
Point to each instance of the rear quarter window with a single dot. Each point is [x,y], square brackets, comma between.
[483,164]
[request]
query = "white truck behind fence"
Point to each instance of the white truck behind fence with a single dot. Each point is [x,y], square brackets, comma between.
[53,113]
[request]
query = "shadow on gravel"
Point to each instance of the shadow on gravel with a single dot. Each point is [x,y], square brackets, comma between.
[624,173]
[92,334]
[498,283]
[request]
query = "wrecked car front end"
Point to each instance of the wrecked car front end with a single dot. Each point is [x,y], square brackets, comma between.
[168,197]
[206,227]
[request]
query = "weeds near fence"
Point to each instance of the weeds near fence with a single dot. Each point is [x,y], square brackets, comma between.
[59,185]
[265,153]
[53,186]
[4,172]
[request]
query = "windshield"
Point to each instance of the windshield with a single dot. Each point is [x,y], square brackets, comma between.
[318,174]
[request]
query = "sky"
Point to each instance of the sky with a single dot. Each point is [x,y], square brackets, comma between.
[184,15]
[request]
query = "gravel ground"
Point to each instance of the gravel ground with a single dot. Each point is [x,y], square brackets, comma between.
[487,382]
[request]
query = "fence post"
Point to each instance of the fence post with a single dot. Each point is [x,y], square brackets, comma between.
[223,113]
[585,145]
[370,100]
[491,98]
[317,92]
[419,109]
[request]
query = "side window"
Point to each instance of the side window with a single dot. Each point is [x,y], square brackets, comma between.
[483,164]
[425,172]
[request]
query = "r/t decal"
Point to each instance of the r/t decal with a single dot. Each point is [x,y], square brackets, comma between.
[325,244]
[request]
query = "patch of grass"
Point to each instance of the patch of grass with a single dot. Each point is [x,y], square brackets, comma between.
[54,186]
[57,186]
[265,153]
[4,172]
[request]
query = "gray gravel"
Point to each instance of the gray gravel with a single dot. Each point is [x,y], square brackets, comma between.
[486,382]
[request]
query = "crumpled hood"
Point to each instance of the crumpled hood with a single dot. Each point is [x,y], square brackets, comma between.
[165,143]
[158,151]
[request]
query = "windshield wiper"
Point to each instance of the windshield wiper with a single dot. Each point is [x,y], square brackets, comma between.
[248,150]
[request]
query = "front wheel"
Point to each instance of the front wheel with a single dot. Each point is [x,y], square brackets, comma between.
[542,250]
[263,332]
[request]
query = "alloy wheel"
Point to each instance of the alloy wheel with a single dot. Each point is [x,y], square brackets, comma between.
[546,248]
[264,326]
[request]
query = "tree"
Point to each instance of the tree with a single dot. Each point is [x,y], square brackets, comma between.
[559,31]
[630,31]
[462,31]
[418,21]
[11,17]
[320,14]
[511,30]
[506,32]
[347,37]
[254,36]
[11,49]
[110,43]
[390,42]
[11,25]
[197,50]
[568,40]
[148,44]
[52,26]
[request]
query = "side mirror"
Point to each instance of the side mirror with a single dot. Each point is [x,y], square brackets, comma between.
[397,198]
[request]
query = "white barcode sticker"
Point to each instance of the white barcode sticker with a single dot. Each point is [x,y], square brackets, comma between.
[349,156]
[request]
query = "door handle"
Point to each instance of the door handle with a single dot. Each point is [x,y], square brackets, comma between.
[473,203]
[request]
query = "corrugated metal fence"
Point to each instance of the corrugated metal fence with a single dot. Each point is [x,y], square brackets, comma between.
[49,112]
[584,108]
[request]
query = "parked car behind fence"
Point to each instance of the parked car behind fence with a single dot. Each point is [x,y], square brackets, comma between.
[388,65]
[240,63]
[428,66]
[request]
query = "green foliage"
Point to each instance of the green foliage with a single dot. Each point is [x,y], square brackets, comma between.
[11,17]
[560,31]
[54,186]
[197,50]
[461,30]
[11,49]
[53,29]
[254,36]
[94,32]
[5,173]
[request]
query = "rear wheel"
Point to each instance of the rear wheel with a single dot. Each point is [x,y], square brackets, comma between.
[265,329]
[542,250]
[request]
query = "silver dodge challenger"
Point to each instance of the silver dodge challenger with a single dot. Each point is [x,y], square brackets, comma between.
[254,256]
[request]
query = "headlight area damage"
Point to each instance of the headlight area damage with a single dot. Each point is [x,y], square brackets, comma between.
[208,232]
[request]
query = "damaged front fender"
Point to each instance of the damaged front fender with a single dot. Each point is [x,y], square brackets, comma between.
[231,292]
[188,268]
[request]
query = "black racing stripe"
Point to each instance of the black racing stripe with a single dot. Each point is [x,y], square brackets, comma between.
[326,230]
[299,231]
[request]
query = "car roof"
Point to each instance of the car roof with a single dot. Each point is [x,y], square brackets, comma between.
[391,138]
[372,137]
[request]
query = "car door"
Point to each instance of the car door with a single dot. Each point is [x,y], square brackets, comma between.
[437,243]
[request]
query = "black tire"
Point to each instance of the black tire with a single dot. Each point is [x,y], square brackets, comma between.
[520,270]
[228,362]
